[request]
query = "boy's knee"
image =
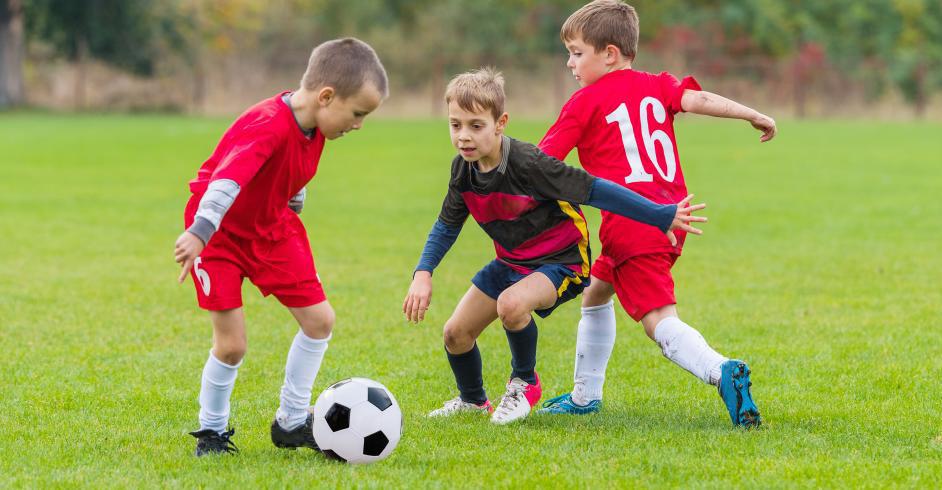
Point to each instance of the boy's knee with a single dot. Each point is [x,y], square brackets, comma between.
[320,323]
[597,294]
[653,318]
[512,311]
[457,340]
[229,352]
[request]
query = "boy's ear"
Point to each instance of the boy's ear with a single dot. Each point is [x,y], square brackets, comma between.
[502,122]
[612,54]
[326,95]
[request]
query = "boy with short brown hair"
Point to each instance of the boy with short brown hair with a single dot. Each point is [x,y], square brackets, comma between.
[256,179]
[622,123]
[528,203]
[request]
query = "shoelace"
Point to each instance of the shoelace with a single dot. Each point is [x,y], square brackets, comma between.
[553,401]
[452,405]
[511,398]
[228,445]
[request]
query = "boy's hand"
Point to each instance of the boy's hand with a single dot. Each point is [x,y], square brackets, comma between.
[683,217]
[185,251]
[419,297]
[765,124]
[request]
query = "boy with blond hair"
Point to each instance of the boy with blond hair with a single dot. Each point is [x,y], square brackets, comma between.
[256,179]
[621,121]
[527,202]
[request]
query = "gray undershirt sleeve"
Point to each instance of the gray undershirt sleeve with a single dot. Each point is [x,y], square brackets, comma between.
[216,201]
[297,202]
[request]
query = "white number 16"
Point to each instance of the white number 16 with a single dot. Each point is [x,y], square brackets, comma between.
[638,173]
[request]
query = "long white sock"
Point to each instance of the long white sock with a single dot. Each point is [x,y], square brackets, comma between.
[215,390]
[594,342]
[688,349]
[304,360]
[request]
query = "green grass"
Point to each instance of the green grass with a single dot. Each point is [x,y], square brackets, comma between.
[820,266]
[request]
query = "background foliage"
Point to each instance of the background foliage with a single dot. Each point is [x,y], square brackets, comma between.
[805,48]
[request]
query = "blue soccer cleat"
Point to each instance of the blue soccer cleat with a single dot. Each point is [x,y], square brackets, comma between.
[564,404]
[734,389]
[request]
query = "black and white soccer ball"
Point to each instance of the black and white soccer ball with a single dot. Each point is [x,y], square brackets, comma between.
[357,420]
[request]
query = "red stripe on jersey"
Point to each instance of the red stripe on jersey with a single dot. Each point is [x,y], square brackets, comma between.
[555,239]
[497,206]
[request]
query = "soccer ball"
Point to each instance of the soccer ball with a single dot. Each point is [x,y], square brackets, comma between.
[357,420]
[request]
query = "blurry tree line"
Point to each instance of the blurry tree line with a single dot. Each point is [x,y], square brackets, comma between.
[871,45]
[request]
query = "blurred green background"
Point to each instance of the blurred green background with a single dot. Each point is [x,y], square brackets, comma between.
[849,58]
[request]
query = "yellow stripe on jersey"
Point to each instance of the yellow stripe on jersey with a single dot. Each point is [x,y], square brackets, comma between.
[583,228]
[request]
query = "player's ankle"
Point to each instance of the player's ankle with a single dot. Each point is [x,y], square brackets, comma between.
[289,420]
[580,395]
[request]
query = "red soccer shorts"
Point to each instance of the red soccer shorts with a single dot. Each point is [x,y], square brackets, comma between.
[284,268]
[642,283]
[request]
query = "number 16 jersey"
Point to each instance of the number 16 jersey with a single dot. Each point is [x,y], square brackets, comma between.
[623,127]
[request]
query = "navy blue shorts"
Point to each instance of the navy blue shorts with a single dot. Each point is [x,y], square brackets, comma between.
[497,276]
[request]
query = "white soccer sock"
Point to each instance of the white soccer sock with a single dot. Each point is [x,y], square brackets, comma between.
[304,360]
[594,342]
[215,390]
[688,349]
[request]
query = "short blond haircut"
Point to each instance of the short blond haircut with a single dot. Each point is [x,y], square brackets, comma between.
[604,22]
[478,90]
[345,65]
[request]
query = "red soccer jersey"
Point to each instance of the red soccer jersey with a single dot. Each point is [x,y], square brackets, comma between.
[623,127]
[267,154]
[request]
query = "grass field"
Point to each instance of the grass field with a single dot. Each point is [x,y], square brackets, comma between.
[820,266]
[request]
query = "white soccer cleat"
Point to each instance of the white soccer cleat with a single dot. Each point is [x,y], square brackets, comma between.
[517,402]
[456,405]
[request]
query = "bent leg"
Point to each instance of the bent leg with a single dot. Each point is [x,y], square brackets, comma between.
[683,344]
[473,314]
[515,306]
[305,355]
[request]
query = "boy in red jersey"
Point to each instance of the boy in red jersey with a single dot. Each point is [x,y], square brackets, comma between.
[255,180]
[528,203]
[621,121]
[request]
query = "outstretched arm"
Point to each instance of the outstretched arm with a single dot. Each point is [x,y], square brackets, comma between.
[553,179]
[439,241]
[710,104]
[620,200]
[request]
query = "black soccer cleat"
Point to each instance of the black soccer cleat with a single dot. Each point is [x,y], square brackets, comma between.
[300,436]
[209,441]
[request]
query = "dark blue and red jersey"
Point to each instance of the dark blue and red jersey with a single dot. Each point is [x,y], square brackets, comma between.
[528,205]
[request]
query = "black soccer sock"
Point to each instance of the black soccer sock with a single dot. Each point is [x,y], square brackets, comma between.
[467,369]
[523,352]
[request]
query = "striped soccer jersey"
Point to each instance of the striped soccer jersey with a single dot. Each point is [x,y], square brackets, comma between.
[528,205]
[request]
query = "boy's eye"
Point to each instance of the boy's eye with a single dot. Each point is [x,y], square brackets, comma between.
[455,125]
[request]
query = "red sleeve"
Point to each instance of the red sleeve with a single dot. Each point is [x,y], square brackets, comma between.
[566,132]
[247,150]
[674,91]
